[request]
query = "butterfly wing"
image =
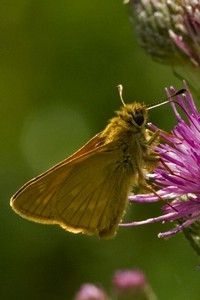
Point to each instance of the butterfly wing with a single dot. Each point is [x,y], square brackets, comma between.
[87,193]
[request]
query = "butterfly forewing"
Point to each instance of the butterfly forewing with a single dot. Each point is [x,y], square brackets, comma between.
[81,196]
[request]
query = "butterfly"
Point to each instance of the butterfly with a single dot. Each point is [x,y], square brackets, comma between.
[88,191]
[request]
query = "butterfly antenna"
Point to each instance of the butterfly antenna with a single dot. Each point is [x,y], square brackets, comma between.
[168,99]
[120,91]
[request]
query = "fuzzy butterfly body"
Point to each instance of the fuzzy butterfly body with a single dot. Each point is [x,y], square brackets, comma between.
[87,192]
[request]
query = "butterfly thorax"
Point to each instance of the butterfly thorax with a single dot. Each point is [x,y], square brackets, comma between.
[128,134]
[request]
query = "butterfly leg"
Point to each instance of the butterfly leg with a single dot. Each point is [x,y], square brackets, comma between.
[144,187]
[150,156]
[154,137]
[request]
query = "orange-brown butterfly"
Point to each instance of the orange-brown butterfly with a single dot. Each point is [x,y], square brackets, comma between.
[87,192]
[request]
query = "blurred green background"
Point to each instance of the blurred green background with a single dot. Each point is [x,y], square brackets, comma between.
[60,63]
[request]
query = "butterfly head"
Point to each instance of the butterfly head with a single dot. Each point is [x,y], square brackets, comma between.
[134,115]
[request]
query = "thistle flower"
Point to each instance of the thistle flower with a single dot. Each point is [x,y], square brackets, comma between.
[170,32]
[177,176]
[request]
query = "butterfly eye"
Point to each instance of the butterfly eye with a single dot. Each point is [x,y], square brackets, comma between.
[138,118]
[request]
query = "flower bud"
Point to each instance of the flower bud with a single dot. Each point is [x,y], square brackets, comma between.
[90,292]
[132,284]
[170,32]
